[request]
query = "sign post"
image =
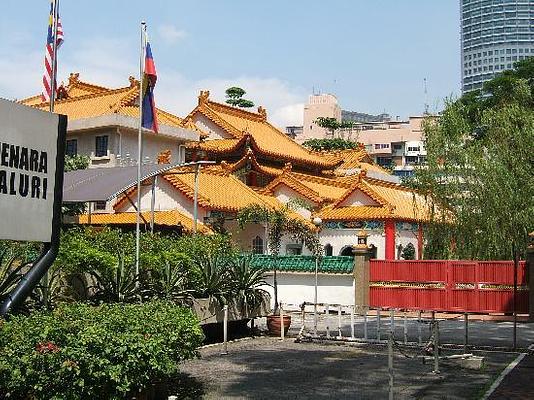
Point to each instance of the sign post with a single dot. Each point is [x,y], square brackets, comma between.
[32,149]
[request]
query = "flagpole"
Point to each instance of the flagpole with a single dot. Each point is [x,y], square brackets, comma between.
[54,55]
[140,148]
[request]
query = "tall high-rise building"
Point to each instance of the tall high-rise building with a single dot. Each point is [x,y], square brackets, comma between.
[495,34]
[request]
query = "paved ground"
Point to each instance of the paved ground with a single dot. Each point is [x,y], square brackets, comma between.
[266,368]
[452,330]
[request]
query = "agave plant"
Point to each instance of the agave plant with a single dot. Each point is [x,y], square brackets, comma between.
[10,268]
[246,283]
[118,285]
[51,289]
[211,278]
[169,282]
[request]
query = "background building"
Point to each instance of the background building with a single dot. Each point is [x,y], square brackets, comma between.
[494,35]
[319,105]
[397,145]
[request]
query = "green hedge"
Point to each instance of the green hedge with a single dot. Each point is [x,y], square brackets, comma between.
[84,352]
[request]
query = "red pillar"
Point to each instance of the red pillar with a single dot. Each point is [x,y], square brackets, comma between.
[389,228]
[420,242]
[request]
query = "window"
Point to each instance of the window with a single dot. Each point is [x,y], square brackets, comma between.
[415,148]
[399,146]
[257,245]
[328,250]
[383,161]
[381,146]
[72,147]
[100,205]
[101,149]
[294,249]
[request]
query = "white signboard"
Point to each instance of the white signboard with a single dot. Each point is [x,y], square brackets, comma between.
[28,150]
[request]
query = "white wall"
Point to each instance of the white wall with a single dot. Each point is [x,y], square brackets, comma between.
[358,198]
[206,125]
[297,287]
[167,198]
[285,194]
[340,238]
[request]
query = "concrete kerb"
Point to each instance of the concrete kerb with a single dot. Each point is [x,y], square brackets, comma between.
[503,374]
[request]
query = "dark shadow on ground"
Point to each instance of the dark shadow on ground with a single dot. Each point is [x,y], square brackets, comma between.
[274,370]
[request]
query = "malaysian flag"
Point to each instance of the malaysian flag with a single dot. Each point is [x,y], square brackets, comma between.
[149,116]
[49,53]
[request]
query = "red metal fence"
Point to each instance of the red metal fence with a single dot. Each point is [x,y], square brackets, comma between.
[458,286]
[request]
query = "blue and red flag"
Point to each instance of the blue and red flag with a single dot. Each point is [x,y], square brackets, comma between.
[149,118]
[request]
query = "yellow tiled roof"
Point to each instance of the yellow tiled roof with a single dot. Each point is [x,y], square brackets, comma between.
[86,100]
[328,188]
[293,183]
[217,145]
[395,202]
[217,189]
[167,218]
[265,137]
[354,213]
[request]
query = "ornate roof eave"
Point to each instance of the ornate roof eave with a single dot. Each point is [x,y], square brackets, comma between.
[361,185]
[362,213]
[209,110]
[287,179]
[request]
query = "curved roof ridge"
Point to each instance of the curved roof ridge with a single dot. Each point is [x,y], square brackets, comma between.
[296,185]
[235,111]
[364,187]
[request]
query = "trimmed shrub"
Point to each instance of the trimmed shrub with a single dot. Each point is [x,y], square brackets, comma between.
[83,352]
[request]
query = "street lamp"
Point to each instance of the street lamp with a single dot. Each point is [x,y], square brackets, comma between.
[317,222]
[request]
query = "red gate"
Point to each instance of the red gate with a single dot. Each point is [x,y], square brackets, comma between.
[458,286]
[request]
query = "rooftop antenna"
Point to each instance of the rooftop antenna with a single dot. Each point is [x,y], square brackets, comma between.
[426,96]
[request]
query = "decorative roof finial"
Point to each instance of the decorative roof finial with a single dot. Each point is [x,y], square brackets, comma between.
[74,78]
[164,157]
[287,167]
[263,113]
[133,82]
[203,97]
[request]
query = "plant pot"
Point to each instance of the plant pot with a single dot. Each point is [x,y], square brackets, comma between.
[273,324]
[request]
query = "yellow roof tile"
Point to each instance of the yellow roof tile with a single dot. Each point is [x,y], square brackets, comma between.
[354,213]
[86,100]
[167,218]
[217,189]
[396,202]
[265,137]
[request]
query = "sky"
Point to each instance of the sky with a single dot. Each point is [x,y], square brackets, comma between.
[374,55]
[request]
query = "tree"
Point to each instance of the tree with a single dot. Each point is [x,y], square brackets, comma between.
[279,222]
[234,97]
[332,124]
[330,144]
[73,163]
[408,253]
[480,175]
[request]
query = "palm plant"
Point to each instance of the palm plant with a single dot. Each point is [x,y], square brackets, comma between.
[245,284]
